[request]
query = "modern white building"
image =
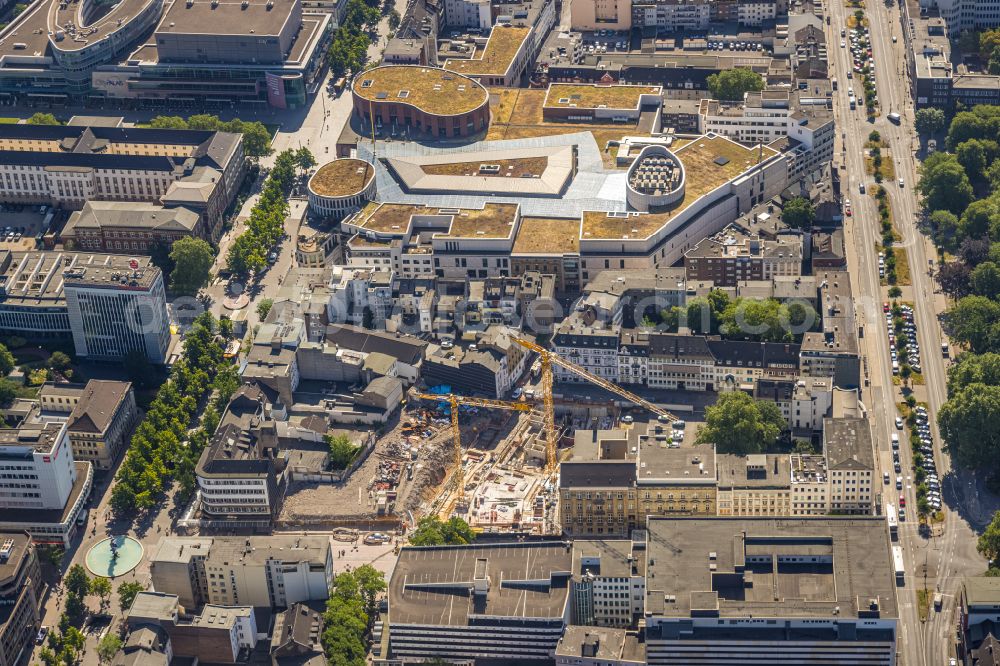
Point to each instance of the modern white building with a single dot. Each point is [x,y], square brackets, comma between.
[42,489]
[115,310]
[847,445]
[962,15]
[609,583]
[353,291]
[468,14]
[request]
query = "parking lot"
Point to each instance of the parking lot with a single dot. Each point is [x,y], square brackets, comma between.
[21,225]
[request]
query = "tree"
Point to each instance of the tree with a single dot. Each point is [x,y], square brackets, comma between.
[394,19]
[799,213]
[738,424]
[970,425]
[972,320]
[944,224]
[256,139]
[109,646]
[193,258]
[929,121]
[973,157]
[342,451]
[986,280]
[43,119]
[733,84]
[100,587]
[371,584]
[59,361]
[127,592]
[7,361]
[305,159]
[226,328]
[168,122]
[48,657]
[75,608]
[895,292]
[77,581]
[974,369]
[874,137]
[944,184]
[975,222]
[264,307]
[905,372]
[975,251]
[432,531]
[989,541]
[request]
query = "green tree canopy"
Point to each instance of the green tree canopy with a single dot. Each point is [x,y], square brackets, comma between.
[989,541]
[929,121]
[342,451]
[944,184]
[432,531]
[986,280]
[59,361]
[43,119]
[973,320]
[732,84]
[974,369]
[193,258]
[109,646]
[738,424]
[77,581]
[7,361]
[264,307]
[127,592]
[799,213]
[970,425]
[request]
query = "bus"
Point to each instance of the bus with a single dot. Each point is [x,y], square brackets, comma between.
[892,519]
[897,563]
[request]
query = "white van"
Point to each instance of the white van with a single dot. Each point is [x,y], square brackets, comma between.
[893,118]
[895,441]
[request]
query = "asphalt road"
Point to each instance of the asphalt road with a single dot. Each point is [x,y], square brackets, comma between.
[939,562]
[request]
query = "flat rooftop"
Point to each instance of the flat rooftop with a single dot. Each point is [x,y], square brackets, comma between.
[548,235]
[518,167]
[743,567]
[709,161]
[582,96]
[71,25]
[341,178]
[261,18]
[493,220]
[430,586]
[497,57]
[429,89]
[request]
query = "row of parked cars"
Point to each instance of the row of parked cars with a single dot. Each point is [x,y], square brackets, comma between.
[907,338]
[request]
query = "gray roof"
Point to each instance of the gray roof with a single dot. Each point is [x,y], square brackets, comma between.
[982,590]
[431,586]
[407,349]
[847,444]
[597,474]
[132,215]
[688,559]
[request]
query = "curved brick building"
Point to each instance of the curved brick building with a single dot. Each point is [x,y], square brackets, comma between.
[422,100]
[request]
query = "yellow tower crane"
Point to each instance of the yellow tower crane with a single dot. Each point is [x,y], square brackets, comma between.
[455,401]
[549,358]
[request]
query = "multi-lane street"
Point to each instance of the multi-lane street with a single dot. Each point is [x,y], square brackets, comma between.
[936,562]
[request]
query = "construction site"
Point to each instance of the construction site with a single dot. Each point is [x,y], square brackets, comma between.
[491,462]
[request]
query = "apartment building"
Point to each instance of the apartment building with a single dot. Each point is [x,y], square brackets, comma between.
[218,634]
[238,472]
[489,367]
[609,582]
[465,603]
[833,352]
[100,417]
[803,402]
[360,296]
[734,255]
[731,591]
[116,310]
[675,15]
[273,572]
[42,489]
[810,481]
[850,456]
[21,589]
[617,478]
[67,166]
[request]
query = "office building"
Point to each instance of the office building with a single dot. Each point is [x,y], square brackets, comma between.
[461,603]
[617,478]
[238,472]
[609,582]
[797,590]
[100,417]
[44,490]
[600,646]
[130,227]
[21,589]
[274,571]
[66,166]
[114,311]
[963,15]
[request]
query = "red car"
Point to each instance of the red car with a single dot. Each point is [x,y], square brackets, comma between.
[848,211]
[902,501]
[885,307]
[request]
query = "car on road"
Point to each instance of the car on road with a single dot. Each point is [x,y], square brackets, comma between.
[901,182]
[899,482]
[885,478]
[273,257]
[902,501]
[42,633]
[899,423]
